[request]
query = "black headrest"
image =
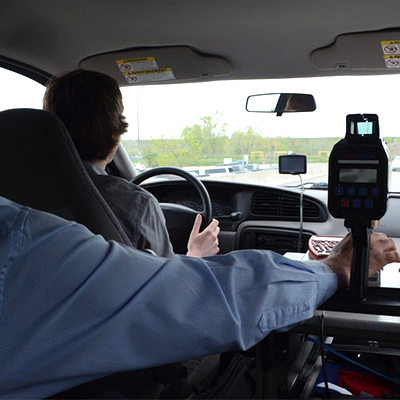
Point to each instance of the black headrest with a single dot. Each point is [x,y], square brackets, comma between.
[41,168]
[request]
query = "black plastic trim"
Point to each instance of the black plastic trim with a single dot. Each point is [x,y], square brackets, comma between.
[379,301]
[24,69]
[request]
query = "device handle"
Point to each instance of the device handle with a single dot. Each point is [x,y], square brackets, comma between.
[361,234]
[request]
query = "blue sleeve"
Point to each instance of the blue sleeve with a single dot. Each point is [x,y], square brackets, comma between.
[76,308]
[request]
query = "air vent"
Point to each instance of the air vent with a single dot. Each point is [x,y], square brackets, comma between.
[265,204]
[283,206]
[290,207]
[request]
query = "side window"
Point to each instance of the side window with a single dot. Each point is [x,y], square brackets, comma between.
[18,91]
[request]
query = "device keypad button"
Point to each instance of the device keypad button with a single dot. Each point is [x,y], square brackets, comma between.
[339,191]
[375,192]
[357,203]
[344,203]
[369,203]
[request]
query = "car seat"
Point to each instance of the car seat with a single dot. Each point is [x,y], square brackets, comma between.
[41,169]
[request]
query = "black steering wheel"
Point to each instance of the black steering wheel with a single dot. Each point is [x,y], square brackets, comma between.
[180,219]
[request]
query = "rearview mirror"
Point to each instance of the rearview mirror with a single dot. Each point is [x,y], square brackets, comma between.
[280,102]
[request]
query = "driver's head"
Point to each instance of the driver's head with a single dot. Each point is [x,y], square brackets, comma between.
[90,105]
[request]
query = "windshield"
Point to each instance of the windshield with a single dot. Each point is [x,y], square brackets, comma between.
[204,127]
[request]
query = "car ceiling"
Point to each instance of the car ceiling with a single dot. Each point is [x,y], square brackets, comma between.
[259,39]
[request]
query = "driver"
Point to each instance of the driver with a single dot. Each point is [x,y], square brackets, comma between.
[90,106]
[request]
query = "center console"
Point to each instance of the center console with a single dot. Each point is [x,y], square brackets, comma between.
[279,240]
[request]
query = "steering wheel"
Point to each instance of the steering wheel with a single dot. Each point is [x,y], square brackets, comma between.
[180,219]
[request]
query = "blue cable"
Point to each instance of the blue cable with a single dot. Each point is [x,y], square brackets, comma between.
[336,353]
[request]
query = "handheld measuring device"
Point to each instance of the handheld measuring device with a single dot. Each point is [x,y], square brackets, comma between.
[357,189]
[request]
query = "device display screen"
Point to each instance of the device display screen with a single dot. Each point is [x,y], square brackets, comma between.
[292,164]
[358,175]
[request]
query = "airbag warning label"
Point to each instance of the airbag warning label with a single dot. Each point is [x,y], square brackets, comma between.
[391,53]
[392,61]
[154,75]
[144,70]
[137,64]
[391,47]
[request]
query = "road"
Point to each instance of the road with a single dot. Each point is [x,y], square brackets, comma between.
[316,172]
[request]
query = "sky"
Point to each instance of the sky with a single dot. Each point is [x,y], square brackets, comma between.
[167,109]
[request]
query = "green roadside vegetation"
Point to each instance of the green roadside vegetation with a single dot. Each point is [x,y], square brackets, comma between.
[208,143]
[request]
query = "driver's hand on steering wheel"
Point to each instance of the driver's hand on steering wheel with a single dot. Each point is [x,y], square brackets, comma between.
[205,243]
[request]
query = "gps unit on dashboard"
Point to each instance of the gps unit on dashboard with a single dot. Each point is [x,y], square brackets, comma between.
[357,189]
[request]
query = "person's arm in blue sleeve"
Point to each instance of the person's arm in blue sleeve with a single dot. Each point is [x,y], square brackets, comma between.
[77,307]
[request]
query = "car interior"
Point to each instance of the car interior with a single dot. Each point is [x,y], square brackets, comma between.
[206,89]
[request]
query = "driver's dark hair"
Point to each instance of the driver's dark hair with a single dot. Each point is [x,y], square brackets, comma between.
[90,105]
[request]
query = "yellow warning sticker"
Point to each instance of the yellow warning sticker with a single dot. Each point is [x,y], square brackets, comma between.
[391,47]
[392,61]
[137,64]
[151,75]
[390,42]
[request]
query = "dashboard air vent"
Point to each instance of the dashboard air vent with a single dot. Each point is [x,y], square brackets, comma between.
[290,207]
[283,206]
[265,204]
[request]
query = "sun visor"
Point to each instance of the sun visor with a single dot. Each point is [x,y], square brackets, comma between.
[158,65]
[363,51]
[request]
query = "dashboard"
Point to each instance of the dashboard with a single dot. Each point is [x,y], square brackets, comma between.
[220,207]
[269,216]
[255,202]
